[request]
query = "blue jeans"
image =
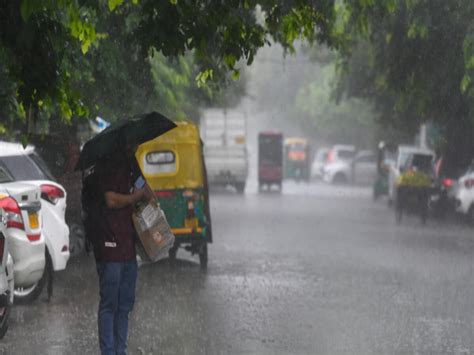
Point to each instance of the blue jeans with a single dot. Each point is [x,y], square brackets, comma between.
[117,282]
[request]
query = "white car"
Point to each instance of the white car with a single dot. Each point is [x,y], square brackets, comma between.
[22,206]
[407,158]
[6,276]
[23,164]
[318,162]
[337,169]
[364,168]
[464,197]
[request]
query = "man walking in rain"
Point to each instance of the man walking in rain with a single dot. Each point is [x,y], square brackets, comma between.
[121,185]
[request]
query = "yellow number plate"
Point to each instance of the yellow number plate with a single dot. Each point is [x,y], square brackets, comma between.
[34,222]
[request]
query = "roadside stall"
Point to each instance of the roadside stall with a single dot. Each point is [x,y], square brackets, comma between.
[413,191]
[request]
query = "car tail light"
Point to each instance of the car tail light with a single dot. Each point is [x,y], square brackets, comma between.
[330,158]
[469,183]
[448,182]
[51,193]
[12,213]
[33,237]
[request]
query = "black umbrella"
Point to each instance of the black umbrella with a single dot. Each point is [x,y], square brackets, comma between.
[116,137]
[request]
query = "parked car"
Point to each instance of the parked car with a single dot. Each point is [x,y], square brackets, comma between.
[6,274]
[442,200]
[23,164]
[22,206]
[337,169]
[60,152]
[409,157]
[364,168]
[464,198]
[318,162]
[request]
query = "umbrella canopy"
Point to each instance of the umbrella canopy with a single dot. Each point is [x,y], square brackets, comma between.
[116,137]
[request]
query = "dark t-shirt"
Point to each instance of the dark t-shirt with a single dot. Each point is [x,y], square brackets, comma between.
[117,242]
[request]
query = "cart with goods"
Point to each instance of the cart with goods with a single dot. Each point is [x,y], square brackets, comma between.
[412,195]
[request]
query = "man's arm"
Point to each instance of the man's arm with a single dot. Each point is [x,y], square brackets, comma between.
[149,194]
[115,200]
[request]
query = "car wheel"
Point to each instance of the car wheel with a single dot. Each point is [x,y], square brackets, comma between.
[77,240]
[375,194]
[172,253]
[240,187]
[203,256]
[26,295]
[5,316]
[340,179]
[470,215]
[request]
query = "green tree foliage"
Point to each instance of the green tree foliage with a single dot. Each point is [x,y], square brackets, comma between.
[413,58]
[351,120]
[67,57]
[176,91]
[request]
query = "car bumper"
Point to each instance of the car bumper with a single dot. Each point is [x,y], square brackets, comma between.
[56,233]
[327,176]
[460,206]
[226,178]
[58,246]
[28,258]
[462,202]
[3,282]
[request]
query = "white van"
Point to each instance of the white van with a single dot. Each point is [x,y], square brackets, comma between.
[225,147]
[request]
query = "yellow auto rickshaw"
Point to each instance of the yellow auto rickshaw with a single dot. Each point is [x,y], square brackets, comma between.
[296,161]
[173,165]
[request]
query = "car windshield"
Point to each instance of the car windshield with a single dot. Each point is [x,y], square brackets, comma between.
[470,169]
[346,154]
[321,155]
[369,158]
[4,175]
[26,167]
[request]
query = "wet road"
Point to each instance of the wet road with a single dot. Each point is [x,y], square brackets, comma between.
[317,270]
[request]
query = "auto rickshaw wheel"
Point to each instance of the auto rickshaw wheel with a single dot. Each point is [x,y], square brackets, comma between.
[471,215]
[399,205]
[172,253]
[375,194]
[398,214]
[203,255]
[240,187]
[423,207]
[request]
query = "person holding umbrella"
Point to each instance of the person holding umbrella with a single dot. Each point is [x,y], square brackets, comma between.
[119,186]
